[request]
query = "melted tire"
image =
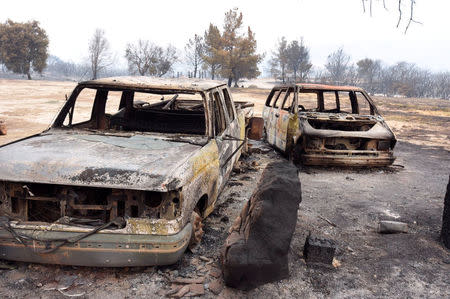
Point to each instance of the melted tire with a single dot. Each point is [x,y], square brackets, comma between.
[197,231]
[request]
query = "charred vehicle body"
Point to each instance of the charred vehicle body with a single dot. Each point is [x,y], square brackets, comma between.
[124,174]
[327,125]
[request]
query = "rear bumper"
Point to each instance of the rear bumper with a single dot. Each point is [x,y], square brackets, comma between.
[98,250]
[353,158]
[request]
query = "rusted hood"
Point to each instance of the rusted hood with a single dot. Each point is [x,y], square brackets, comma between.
[131,162]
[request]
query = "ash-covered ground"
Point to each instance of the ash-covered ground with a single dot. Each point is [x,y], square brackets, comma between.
[368,264]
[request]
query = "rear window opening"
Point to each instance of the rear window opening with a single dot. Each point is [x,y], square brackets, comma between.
[129,110]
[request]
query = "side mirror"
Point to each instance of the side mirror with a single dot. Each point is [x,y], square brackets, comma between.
[255,128]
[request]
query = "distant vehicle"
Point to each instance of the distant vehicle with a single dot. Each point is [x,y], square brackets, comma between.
[127,182]
[327,125]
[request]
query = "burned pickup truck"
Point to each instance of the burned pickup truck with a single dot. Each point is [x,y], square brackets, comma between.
[124,174]
[327,125]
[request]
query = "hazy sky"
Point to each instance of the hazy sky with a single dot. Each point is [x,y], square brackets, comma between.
[325,26]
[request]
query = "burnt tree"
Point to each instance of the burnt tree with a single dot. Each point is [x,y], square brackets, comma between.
[445,233]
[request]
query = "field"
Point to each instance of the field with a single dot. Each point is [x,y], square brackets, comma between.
[369,264]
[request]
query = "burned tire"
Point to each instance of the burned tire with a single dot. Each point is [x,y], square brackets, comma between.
[197,230]
[294,154]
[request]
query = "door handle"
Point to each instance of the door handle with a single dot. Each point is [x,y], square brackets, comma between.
[277,114]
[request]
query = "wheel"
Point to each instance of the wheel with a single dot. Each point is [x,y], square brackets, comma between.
[294,154]
[197,230]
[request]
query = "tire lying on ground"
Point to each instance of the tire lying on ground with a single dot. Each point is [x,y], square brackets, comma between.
[445,232]
[256,251]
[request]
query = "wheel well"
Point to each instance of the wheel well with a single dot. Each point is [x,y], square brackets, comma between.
[202,204]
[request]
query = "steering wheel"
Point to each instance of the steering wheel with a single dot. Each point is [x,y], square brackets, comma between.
[301,107]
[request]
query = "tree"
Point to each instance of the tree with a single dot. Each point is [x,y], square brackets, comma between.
[139,57]
[145,58]
[165,60]
[194,52]
[239,58]
[298,59]
[23,47]
[99,55]
[279,60]
[212,49]
[337,65]
[369,71]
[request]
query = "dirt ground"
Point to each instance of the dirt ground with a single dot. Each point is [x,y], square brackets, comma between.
[368,264]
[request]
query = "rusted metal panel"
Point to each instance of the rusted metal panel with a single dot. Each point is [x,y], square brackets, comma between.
[309,86]
[155,84]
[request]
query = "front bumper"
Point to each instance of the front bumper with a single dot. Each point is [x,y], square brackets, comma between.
[352,158]
[98,250]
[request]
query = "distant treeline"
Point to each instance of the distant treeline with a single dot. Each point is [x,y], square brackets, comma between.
[228,53]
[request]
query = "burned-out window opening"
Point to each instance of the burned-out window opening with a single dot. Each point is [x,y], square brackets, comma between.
[280,98]
[345,104]
[273,96]
[229,104]
[308,101]
[129,110]
[81,111]
[329,101]
[364,106]
[219,116]
[288,100]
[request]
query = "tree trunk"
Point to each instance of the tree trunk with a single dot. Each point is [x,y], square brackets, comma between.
[230,80]
[195,72]
[28,76]
[445,232]
[212,72]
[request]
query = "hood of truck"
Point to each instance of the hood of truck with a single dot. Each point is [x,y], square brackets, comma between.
[139,162]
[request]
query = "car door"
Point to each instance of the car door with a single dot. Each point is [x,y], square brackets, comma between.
[271,113]
[227,134]
[286,119]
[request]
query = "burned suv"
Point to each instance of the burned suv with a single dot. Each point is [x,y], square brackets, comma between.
[124,174]
[327,125]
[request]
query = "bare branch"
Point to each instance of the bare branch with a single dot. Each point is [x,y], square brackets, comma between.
[399,12]
[411,16]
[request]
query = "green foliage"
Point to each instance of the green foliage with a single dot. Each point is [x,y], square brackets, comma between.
[211,49]
[278,63]
[23,46]
[298,59]
[239,58]
[194,52]
[232,53]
